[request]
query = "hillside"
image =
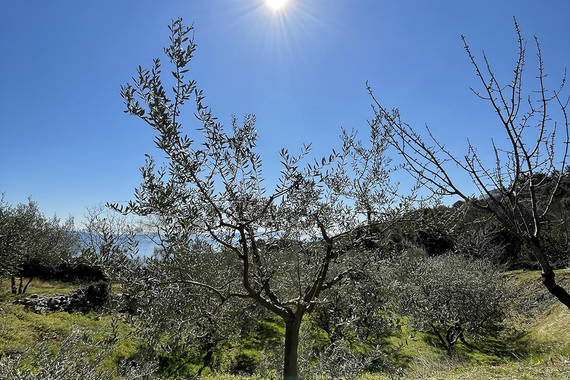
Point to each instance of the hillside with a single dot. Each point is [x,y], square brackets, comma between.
[533,344]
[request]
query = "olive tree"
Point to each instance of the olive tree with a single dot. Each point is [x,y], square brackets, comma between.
[513,189]
[286,245]
[450,295]
[357,317]
[109,240]
[28,238]
[173,315]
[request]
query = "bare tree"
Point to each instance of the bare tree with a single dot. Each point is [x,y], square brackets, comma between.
[282,248]
[515,190]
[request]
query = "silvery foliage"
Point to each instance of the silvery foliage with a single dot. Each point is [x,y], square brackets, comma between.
[170,311]
[359,309]
[279,248]
[214,190]
[357,318]
[450,295]
[78,357]
[26,234]
[339,361]
[336,360]
[109,240]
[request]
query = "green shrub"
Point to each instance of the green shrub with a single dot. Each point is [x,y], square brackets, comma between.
[179,363]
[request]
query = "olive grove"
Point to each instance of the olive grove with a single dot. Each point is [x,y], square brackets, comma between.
[281,249]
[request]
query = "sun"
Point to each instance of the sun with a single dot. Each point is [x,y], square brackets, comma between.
[276,4]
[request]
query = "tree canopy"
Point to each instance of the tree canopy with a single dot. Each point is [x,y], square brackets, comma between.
[283,247]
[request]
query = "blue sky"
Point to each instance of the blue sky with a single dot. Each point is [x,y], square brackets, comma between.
[65,140]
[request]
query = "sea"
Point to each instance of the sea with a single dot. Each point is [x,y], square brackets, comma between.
[146,245]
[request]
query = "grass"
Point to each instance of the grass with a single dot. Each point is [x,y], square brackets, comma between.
[36,287]
[486,371]
[535,344]
[549,334]
[23,331]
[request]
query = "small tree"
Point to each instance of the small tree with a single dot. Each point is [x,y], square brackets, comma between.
[450,295]
[173,314]
[286,246]
[28,238]
[515,190]
[108,240]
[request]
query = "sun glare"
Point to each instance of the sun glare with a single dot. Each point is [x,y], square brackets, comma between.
[276,4]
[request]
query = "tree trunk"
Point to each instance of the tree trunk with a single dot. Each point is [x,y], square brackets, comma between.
[210,345]
[14,290]
[21,285]
[28,283]
[290,367]
[548,275]
[441,339]
[556,290]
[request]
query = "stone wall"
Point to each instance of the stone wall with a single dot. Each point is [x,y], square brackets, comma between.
[83,300]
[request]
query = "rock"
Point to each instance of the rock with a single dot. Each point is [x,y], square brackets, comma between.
[83,300]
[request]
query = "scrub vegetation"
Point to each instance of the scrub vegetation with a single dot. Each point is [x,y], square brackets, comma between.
[331,274]
[532,342]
